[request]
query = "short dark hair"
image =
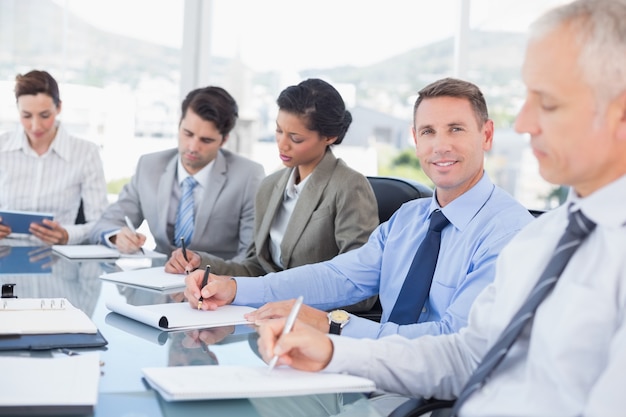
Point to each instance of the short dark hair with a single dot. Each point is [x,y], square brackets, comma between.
[35,82]
[453,87]
[213,104]
[320,105]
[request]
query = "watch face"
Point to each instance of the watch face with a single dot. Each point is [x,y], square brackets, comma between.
[339,316]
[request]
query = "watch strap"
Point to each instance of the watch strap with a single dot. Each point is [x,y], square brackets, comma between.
[335,328]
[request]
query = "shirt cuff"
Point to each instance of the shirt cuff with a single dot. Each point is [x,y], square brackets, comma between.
[360,327]
[249,291]
[106,236]
[348,354]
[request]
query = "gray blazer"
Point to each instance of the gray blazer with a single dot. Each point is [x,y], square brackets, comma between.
[335,213]
[225,219]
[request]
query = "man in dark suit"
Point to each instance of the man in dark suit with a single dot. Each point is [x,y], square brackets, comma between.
[218,208]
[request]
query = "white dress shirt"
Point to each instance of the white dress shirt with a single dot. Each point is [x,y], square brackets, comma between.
[570,362]
[54,182]
[283,214]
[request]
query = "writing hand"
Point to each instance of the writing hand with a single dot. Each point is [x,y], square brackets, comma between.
[178,265]
[220,290]
[50,232]
[127,241]
[280,309]
[304,348]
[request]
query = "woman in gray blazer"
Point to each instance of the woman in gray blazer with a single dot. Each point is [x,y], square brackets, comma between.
[315,208]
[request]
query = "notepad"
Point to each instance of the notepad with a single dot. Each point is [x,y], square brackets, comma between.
[155,278]
[100,252]
[181,383]
[20,221]
[42,316]
[181,316]
[49,386]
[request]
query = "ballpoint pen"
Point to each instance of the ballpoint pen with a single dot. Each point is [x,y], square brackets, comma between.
[184,248]
[129,224]
[291,319]
[205,280]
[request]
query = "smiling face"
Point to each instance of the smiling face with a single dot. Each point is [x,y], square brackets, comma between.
[38,115]
[198,142]
[299,146]
[450,144]
[574,144]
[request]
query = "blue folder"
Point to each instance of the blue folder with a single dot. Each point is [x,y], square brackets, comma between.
[20,221]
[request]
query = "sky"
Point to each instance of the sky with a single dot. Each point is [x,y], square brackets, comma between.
[298,34]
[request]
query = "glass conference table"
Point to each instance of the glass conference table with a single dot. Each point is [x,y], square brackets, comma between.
[40,273]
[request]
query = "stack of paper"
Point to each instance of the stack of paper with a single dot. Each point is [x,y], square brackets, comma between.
[155,278]
[221,382]
[49,386]
[100,252]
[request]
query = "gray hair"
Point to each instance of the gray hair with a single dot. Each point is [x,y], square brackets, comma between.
[600,28]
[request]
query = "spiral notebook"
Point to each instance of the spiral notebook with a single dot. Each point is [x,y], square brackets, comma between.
[181,383]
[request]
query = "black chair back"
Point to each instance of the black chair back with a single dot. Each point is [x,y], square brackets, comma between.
[392,192]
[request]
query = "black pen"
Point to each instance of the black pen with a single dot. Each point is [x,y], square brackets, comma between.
[182,244]
[205,281]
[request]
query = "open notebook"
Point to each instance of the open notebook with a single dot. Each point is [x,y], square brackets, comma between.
[181,383]
[181,316]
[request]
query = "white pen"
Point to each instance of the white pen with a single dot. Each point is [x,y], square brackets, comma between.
[291,319]
[129,224]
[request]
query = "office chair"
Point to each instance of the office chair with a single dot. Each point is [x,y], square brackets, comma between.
[418,406]
[391,193]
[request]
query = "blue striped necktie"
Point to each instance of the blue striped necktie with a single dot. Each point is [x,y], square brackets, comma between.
[185,217]
[577,230]
[418,280]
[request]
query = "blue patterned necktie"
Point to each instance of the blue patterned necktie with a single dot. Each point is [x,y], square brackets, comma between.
[577,230]
[185,217]
[418,280]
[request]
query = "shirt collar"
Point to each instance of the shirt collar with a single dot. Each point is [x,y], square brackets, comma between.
[59,146]
[292,189]
[463,208]
[203,176]
[604,206]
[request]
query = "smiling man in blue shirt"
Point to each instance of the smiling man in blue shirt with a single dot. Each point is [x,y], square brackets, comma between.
[452,132]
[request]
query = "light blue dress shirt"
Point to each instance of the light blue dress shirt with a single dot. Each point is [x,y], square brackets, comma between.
[483,220]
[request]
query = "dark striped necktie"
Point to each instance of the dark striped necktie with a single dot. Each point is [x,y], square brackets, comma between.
[577,230]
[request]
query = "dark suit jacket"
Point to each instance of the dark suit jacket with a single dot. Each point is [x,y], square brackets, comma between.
[225,219]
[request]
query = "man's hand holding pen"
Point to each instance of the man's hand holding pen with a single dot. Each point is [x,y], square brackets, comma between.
[178,265]
[219,290]
[128,241]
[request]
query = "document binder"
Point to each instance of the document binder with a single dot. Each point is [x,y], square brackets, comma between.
[42,323]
